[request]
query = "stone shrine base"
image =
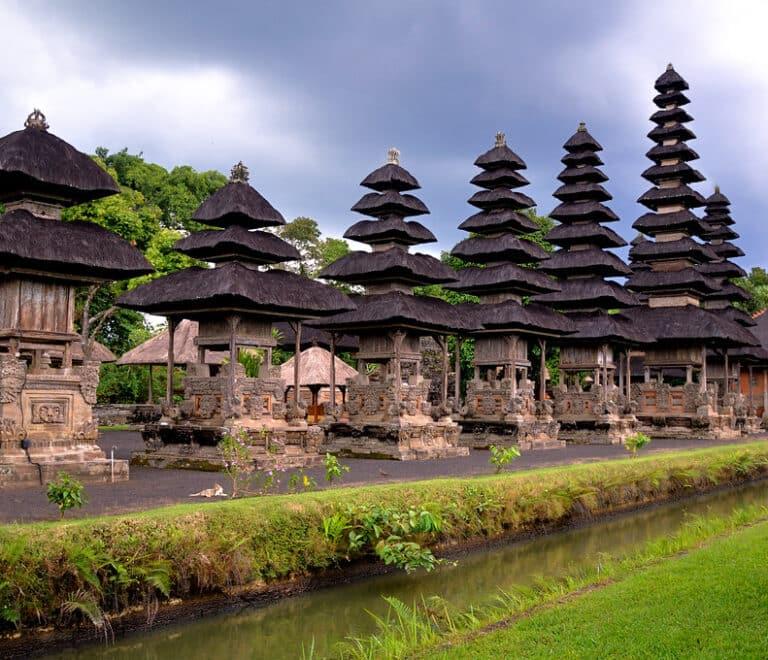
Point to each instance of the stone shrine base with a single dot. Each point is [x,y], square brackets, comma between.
[85,463]
[606,430]
[195,447]
[526,435]
[704,427]
[401,441]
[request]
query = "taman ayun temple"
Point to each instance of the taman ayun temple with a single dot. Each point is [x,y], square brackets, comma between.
[502,404]
[235,304]
[684,292]
[387,411]
[46,420]
[592,400]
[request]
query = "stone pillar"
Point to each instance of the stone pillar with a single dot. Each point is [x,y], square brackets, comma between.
[397,340]
[751,407]
[703,376]
[646,374]
[621,372]
[297,366]
[629,375]
[446,362]
[727,375]
[689,374]
[457,376]
[543,370]
[171,362]
[332,384]
[234,322]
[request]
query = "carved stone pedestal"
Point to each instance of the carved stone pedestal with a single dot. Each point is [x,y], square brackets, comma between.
[593,417]
[49,410]
[373,425]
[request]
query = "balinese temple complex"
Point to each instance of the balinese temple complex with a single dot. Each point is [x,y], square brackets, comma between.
[501,403]
[46,420]
[676,396]
[592,400]
[235,304]
[387,411]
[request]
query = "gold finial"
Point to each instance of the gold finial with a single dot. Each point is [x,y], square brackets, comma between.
[393,156]
[670,67]
[582,127]
[239,173]
[501,139]
[36,119]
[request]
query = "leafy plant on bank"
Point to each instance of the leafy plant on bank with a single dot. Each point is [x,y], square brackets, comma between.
[333,469]
[237,459]
[636,442]
[500,457]
[66,493]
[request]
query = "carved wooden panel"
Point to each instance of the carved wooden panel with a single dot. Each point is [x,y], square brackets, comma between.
[36,305]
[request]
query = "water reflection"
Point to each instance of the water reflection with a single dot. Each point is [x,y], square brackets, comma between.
[277,631]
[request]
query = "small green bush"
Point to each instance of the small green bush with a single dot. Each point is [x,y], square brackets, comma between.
[333,469]
[636,442]
[66,493]
[502,456]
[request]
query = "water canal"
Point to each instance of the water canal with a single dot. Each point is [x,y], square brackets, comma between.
[277,631]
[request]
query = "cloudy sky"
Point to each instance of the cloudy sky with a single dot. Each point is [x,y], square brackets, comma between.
[310,95]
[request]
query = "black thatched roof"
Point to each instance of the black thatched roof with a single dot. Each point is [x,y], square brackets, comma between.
[719,233]
[665,99]
[682,248]
[580,158]
[722,268]
[312,337]
[740,317]
[503,277]
[35,163]
[386,230]
[500,248]
[390,202]
[501,198]
[390,176]
[591,261]
[400,310]
[599,327]
[685,280]
[581,140]
[680,151]
[237,242]
[673,132]
[580,191]
[589,233]
[677,221]
[494,222]
[672,325]
[238,203]
[588,293]
[582,211]
[682,194]
[501,176]
[80,249]
[511,316]
[730,292]
[500,156]
[683,171]
[585,173]
[717,209]
[679,115]
[234,286]
[394,264]
[670,81]
[726,250]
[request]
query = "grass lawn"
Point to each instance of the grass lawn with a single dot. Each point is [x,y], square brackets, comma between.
[710,603]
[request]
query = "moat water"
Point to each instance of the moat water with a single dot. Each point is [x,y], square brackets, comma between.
[278,631]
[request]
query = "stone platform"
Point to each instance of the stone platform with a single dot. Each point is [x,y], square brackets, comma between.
[527,435]
[85,463]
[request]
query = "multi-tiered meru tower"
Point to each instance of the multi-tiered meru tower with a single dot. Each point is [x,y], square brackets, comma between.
[501,401]
[46,421]
[235,304]
[667,273]
[591,400]
[387,411]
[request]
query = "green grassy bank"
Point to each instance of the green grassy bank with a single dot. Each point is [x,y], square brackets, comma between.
[711,603]
[65,572]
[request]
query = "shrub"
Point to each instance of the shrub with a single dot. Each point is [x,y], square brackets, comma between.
[333,469]
[238,463]
[636,442]
[66,493]
[502,456]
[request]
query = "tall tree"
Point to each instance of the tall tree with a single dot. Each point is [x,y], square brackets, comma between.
[756,284]
[316,252]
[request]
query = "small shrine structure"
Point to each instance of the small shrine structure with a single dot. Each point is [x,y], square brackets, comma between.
[387,411]
[234,304]
[592,398]
[46,419]
[502,404]
[667,274]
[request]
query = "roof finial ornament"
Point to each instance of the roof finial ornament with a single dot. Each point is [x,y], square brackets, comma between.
[717,189]
[501,139]
[36,119]
[239,173]
[670,67]
[393,156]
[582,127]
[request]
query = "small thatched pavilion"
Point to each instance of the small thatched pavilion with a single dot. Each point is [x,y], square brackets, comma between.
[319,368]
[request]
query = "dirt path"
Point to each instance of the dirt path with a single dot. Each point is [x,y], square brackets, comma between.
[149,488]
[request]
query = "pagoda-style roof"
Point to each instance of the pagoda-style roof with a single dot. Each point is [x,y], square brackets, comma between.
[154,351]
[682,248]
[377,312]
[35,164]
[235,286]
[689,323]
[723,268]
[719,233]
[679,151]
[501,176]
[584,173]
[600,327]
[499,221]
[686,279]
[730,292]
[393,264]
[312,337]
[237,243]
[388,203]
[486,249]
[685,221]
[513,317]
[584,233]
[670,81]
[78,250]
[500,156]
[582,211]
[588,293]
[494,279]
[581,191]
[581,140]
[501,198]
[391,176]
[591,261]
[726,250]
[390,229]
[681,194]
[682,171]
[238,203]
